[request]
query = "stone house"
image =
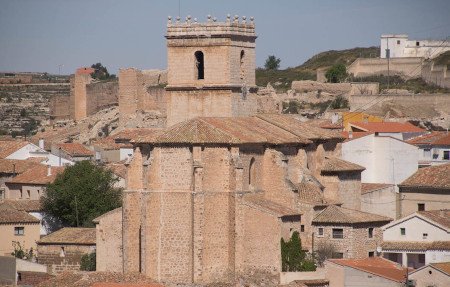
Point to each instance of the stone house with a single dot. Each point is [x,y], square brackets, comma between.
[418,239]
[370,272]
[352,233]
[17,226]
[426,189]
[434,148]
[62,250]
[434,274]
[10,168]
[72,151]
[379,198]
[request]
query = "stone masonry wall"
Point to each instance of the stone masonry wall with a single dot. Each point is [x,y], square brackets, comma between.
[50,255]
[101,95]
[109,243]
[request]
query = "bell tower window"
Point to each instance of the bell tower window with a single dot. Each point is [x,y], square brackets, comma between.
[242,71]
[200,65]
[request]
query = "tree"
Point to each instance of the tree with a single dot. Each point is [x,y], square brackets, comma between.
[272,63]
[81,193]
[88,262]
[339,103]
[323,252]
[336,74]
[101,73]
[293,258]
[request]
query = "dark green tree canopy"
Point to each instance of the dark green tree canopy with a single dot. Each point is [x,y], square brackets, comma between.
[293,258]
[101,73]
[81,193]
[336,74]
[272,63]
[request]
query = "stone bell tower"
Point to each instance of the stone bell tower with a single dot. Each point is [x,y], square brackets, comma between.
[211,68]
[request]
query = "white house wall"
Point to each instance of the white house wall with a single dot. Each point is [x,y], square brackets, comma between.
[414,229]
[31,150]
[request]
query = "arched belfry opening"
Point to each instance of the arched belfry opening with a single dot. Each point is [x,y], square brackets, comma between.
[200,65]
[252,174]
[242,70]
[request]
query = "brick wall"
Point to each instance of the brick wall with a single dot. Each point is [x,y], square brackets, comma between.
[29,278]
[109,243]
[50,255]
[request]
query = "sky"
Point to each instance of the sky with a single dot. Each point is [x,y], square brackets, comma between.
[61,35]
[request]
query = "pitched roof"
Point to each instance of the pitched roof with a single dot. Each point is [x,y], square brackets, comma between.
[443,266]
[9,214]
[16,166]
[97,219]
[337,214]
[416,245]
[427,139]
[369,187]
[269,206]
[354,135]
[118,169]
[9,147]
[386,127]
[377,266]
[38,175]
[70,235]
[27,205]
[332,164]
[75,149]
[443,140]
[109,143]
[129,134]
[436,177]
[441,217]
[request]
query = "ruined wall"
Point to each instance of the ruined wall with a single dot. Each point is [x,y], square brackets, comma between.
[78,97]
[59,108]
[405,67]
[101,95]
[436,74]
[353,88]
[50,255]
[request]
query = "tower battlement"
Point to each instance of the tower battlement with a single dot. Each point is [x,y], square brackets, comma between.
[233,26]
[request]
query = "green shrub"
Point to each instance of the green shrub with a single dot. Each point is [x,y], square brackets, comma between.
[88,262]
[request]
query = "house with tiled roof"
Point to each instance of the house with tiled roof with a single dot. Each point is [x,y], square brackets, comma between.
[376,272]
[351,233]
[427,189]
[62,250]
[379,198]
[386,159]
[434,148]
[418,239]
[72,151]
[21,150]
[10,168]
[401,131]
[17,227]
[433,274]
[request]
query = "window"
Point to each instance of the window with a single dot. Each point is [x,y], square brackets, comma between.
[402,231]
[425,235]
[427,153]
[446,154]
[337,255]
[19,230]
[422,258]
[320,231]
[2,194]
[62,252]
[242,71]
[417,43]
[200,65]
[398,42]
[338,233]
[252,173]
[370,232]
[420,206]
[21,194]
[302,228]
[28,193]
[371,254]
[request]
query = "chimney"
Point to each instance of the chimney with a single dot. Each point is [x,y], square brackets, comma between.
[41,144]
[350,134]
[49,170]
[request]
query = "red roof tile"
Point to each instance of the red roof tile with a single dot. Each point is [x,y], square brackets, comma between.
[436,177]
[354,135]
[369,187]
[443,140]
[37,175]
[70,235]
[441,217]
[9,214]
[336,214]
[27,205]
[427,139]
[75,149]
[377,266]
[85,71]
[443,266]
[16,166]
[386,127]
[9,147]
[335,165]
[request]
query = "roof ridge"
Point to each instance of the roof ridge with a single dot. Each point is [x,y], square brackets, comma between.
[274,123]
[233,138]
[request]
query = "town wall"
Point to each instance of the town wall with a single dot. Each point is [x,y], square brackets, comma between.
[78,97]
[405,67]
[50,255]
[436,74]
[101,95]
[59,108]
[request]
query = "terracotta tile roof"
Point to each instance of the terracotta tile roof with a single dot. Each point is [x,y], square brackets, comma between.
[326,124]
[70,235]
[443,266]
[369,187]
[129,134]
[310,193]
[377,266]
[416,245]
[258,201]
[27,205]
[336,214]
[118,169]
[332,165]
[443,141]
[75,149]
[386,127]
[85,71]
[354,135]
[37,175]
[109,143]
[10,215]
[11,166]
[427,139]
[436,177]
[441,217]
[9,147]
[97,219]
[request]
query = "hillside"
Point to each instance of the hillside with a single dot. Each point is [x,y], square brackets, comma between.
[282,79]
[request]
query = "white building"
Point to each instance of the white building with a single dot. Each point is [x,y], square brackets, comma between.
[386,159]
[434,148]
[22,150]
[401,47]
[418,239]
